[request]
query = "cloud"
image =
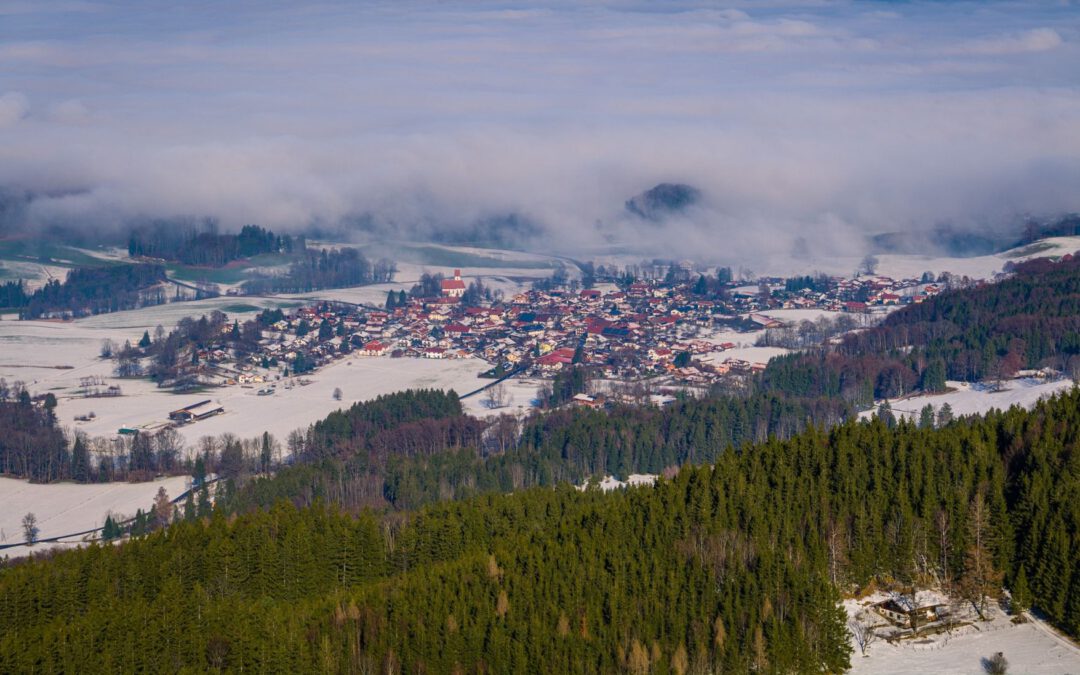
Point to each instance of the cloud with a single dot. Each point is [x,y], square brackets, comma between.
[819,121]
[70,111]
[1034,40]
[13,107]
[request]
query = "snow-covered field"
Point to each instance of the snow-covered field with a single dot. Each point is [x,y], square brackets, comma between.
[64,508]
[797,316]
[55,356]
[247,414]
[1032,648]
[749,354]
[979,267]
[906,266]
[971,399]
[520,395]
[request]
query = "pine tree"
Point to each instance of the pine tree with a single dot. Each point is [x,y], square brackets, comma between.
[80,460]
[1021,594]
[110,530]
[885,414]
[202,506]
[144,342]
[189,505]
[945,415]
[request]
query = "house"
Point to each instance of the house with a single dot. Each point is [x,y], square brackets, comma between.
[453,288]
[906,617]
[374,348]
[587,401]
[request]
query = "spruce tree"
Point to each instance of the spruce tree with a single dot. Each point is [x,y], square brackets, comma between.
[926,417]
[1021,594]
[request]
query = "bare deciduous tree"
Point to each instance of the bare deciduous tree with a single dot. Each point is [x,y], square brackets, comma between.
[30,528]
[496,396]
[861,627]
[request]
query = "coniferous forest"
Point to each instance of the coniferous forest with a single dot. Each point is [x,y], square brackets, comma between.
[95,290]
[736,565]
[983,333]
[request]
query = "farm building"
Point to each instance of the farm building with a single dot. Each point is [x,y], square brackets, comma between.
[904,617]
[196,411]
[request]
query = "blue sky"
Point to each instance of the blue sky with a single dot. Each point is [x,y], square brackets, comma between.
[816,118]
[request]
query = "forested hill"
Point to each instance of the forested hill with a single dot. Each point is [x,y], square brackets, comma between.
[416,447]
[96,290]
[193,245]
[736,566]
[986,332]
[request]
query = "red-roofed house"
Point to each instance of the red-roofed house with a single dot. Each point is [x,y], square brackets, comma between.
[374,348]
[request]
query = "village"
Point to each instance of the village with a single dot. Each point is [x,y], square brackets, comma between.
[662,330]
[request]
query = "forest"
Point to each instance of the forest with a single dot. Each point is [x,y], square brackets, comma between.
[735,566]
[96,290]
[412,448]
[313,270]
[13,294]
[201,244]
[32,444]
[984,333]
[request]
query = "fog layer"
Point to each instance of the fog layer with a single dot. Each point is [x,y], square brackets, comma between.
[820,121]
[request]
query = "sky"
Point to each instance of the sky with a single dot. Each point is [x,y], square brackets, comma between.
[816,121]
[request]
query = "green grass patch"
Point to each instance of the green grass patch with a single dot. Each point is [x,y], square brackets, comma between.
[235,272]
[444,257]
[214,275]
[240,309]
[49,253]
[1032,249]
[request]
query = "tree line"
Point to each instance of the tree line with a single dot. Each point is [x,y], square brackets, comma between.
[96,290]
[201,244]
[314,270]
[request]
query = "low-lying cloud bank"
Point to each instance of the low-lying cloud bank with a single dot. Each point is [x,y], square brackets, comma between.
[803,125]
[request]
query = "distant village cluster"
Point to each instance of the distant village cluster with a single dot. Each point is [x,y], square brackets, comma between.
[641,329]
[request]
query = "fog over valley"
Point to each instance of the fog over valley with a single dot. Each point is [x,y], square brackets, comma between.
[534,126]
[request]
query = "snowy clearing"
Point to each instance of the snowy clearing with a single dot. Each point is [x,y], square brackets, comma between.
[247,414]
[972,399]
[1032,648]
[796,316]
[520,395]
[609,483]
[64,508]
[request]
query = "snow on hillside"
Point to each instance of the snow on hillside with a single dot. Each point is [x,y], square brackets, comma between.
[797,316]
[65,508]
[520,395]
[1032,648]
[609,483]
[971,399]
[978,267]
[247,414]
